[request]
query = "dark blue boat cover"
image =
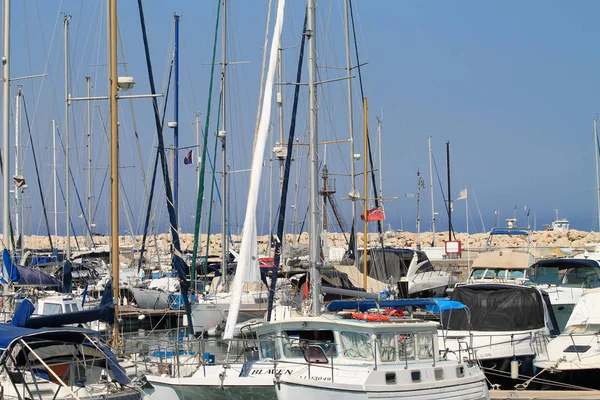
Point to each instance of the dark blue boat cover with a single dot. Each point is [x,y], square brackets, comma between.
[24,276]
[104,312]
[42,337]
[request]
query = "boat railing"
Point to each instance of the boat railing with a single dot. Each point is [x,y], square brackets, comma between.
[174,353]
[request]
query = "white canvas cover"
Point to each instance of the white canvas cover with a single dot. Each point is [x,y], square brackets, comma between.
[587,309]
[170,285]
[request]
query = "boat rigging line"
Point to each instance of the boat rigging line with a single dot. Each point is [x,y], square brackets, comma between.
[204,150]
[286,177]
[37,173]
[178,263]
[373,178]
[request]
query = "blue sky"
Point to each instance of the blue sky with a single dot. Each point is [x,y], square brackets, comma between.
[512,85]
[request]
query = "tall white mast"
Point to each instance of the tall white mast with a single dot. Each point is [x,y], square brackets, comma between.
[353,194]
[596,148]
[223,136]
[54,176]
[431,192]
[315,237]
[5,125]
[67,185]
[88,81]
[18,171]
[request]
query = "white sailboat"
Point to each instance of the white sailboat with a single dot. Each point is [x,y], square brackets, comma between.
[234,376]
[212,309]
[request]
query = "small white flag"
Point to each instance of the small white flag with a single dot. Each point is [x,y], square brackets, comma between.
[462,195]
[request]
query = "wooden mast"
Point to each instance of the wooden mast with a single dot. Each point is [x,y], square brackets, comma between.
[114,168]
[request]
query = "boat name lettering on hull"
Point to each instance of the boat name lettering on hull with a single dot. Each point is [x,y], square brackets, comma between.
[270,371]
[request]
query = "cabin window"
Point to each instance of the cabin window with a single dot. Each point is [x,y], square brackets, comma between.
[386,343]
[545,275]
[295,341]
[406,347]
[582,276]
[268,347]
[357,345]
[508,274]
[51,309]
[425,346]
[483,274]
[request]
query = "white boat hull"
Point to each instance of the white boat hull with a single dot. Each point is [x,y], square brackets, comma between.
[362,384]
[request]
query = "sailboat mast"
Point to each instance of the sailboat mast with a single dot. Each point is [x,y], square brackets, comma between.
[449,192]
[54,181]
[280,115]
[223,136]
[88,82]
[114,168]
[176,127]
[198,160]
[431,192]
[67,180]
[315,237]
[380,159]
[366,194]
[596,150]
[5,125]
[351,129]
[419,185]
[18,162]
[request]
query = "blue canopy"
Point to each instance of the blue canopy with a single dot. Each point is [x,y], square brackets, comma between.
[9,334]
[509,231]
[366,304]
[442,305]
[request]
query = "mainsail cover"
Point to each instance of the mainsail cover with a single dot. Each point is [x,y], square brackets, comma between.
[247,268]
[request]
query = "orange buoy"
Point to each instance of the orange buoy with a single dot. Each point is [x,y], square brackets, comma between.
[371,317]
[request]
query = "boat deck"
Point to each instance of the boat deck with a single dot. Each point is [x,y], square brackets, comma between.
[543,394]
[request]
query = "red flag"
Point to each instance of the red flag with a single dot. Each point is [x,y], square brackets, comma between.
[374,214]
[188,158]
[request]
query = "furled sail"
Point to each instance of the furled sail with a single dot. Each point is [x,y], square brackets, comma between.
[248,268]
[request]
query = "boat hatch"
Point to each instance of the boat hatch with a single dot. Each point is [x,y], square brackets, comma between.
[314,354]
[577,348]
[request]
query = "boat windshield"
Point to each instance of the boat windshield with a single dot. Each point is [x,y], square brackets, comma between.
[580,276]
[483,274]
[295,341]
[562,313]
[582,328]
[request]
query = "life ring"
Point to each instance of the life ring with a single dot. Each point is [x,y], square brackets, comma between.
[371,317]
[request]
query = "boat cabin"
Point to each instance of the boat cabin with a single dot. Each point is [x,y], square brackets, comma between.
[56,305]
[331,339]
[502,266]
